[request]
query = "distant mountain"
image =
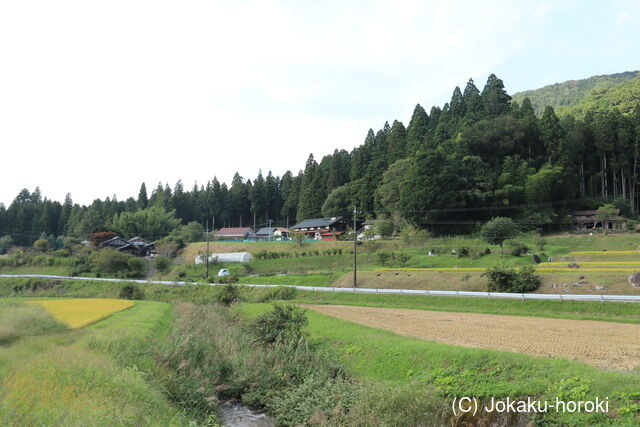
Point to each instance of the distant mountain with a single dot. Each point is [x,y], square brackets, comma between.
[578,96]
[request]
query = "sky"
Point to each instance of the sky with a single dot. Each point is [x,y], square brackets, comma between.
[98,97]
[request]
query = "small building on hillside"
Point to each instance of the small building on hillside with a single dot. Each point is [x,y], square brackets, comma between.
[273,233]
[235,233]
[321,228]
[134,246]
[588,220]
[226,257]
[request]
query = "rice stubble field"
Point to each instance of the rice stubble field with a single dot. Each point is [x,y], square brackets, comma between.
[605,345]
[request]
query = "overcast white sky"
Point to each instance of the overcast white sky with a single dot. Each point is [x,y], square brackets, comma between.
[97,97]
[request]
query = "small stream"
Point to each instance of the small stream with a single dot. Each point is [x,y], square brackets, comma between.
[238,415]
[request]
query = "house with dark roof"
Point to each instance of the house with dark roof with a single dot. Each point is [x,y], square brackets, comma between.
[235,233]
[134,246]
[321,228]
[273,233]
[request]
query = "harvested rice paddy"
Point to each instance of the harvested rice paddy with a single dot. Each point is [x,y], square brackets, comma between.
[603,344]
[80,312]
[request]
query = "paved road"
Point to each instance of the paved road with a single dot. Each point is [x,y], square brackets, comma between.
[560,297]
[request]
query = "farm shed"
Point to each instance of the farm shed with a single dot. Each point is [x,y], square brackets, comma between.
[588,220]
[226,257]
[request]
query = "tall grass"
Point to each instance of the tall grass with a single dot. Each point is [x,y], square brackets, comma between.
[18,320]
[411,369]
[101,375]
[270,365]
[73,386]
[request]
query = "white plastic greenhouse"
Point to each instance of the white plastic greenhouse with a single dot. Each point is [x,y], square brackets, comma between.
[226,257]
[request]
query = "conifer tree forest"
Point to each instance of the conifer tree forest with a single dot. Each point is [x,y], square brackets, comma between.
[449,170]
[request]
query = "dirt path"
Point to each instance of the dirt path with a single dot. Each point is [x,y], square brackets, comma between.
[604,344]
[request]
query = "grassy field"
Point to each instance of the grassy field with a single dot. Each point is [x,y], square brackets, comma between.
[290,279]
[382,356]
[35,269]
[69,377]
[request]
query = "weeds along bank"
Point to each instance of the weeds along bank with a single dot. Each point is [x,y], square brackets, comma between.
[299,368]
[415,372]
[139,367]
[51,375]
[270,364]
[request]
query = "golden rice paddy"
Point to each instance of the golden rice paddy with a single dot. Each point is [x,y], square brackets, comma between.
[581,263]
[81,312]
[604,252]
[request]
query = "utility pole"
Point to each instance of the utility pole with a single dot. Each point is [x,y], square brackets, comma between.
[270,224]
[355,249]
[206,275]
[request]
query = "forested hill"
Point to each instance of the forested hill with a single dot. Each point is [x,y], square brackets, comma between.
[623,97]
[451,168]
[574,92]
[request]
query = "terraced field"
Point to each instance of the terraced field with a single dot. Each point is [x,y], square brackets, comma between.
[603,344]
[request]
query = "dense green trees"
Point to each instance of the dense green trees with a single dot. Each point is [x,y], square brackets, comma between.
[479,156]
[151,223]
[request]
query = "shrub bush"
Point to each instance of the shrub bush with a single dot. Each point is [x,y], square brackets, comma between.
[383,257]
[502,279]
[132,292]
[527,280]
[517,248]
[110,262]
[227,279]
[279,293]
[283,323]
[402,258]
[227,294]
[137,267]
[162,263]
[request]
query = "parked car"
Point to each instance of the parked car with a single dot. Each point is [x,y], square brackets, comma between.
[223,272]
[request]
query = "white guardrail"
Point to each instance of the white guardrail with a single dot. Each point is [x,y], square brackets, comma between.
[517,296]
